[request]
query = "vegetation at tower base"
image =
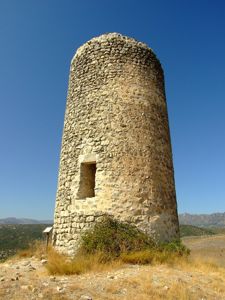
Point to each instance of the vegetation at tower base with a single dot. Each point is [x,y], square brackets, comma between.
[111,242]
[19,236]
[113,238]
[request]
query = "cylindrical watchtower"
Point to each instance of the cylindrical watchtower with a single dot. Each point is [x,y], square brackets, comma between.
[116,152]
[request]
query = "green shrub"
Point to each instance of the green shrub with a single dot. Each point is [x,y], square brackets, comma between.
[110,243]
[112,238]
[175,247]
[164,253]
[139,257]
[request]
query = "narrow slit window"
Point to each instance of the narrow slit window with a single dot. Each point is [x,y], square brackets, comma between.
[87,180]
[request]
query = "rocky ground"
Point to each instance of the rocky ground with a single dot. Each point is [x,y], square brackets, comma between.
[28,279]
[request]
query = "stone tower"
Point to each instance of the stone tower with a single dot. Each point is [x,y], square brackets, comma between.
[116,153]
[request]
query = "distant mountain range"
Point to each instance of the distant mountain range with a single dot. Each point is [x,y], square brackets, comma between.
[24,221]
[203,220]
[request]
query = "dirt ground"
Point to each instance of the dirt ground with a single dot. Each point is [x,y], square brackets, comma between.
[27,279]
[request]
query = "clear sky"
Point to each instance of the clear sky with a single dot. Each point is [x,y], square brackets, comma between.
[37,42]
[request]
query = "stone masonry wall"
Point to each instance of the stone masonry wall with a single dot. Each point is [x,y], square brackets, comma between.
[116,137]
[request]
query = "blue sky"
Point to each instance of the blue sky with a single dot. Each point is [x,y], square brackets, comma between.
[37,42]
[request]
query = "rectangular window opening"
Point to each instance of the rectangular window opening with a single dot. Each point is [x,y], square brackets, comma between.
[87,180]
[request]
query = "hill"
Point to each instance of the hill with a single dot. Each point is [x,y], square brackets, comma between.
[18,236]
[203,220]
[190,230]
[13,220]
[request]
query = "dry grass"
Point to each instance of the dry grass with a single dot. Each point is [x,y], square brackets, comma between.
[36,248]
[112,242]
[150,256]
[169,287]
[171,276]
[82,263]
[197,264]
[50,295]
[180,290]
[141,288]
[185,263]
[208,249]
[60,264]
[99,261]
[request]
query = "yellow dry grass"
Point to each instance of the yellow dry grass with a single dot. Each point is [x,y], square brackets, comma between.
[173,283]
[210,250]
[179,274]
[141,288]
[60,264]
[83,263]
[36,248]
[150,256]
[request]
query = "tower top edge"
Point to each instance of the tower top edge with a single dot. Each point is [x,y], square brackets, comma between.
[107,37]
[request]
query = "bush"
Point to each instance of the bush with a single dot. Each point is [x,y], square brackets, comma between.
[115,239]
[164,253]
[139,257]
[112,238]
[175,247]
[109,244]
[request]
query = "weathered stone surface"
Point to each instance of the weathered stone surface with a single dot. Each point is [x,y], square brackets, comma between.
[116,153]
